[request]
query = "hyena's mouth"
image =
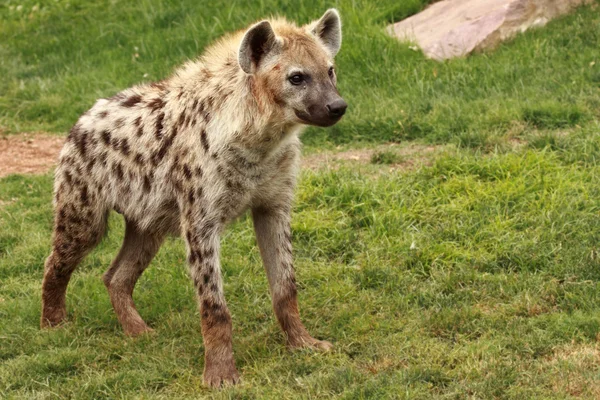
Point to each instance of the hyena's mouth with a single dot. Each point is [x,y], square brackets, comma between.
[322,121]
[302,115]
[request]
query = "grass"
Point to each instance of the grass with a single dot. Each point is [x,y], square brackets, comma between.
[385,157]
[476,276]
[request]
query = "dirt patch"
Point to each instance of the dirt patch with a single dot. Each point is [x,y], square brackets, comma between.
[36,153]
[29,153]
[409,156]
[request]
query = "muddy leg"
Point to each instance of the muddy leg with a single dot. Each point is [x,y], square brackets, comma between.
[273,233]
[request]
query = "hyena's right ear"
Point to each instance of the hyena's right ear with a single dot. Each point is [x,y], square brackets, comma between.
[258,43]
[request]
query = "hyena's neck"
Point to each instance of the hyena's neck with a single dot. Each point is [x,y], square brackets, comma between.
[226,97]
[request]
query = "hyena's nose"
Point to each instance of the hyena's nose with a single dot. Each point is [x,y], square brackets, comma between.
[337,108]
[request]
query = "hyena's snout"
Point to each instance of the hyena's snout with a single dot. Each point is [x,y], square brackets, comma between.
[326,112]
[336,109]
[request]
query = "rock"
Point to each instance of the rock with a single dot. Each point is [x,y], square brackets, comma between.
[454,28]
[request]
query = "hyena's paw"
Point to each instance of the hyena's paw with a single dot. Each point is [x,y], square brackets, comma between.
[52,317]
[138,331]
[310,343]
[220,374]
[135,326]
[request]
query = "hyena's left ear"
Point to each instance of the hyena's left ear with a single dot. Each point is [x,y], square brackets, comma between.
[329,29]
[258,43]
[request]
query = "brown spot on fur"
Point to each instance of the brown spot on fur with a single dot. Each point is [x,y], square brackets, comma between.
[187,172]
[84,195]
[103,114]
[163,149]
[82,143]
[90,164]
[68,178]
[132,101]
[147,184]
[177,185]
[137,121]
[181,119]
[106,137]
[139,159]
[213,315]
[204,140]
[195,256]
[125,147]
[156,104]
[73,133]
[159,125]
[118,170]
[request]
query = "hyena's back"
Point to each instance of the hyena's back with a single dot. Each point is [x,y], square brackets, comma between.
[140,155]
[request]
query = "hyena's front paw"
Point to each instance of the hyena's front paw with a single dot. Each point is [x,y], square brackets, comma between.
[52,317]
[310,343]
[138,330]
[220,374]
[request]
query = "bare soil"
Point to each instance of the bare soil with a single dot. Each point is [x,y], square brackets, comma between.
[411,156]
[29,153]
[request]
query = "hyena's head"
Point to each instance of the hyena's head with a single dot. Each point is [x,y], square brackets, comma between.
[292,67]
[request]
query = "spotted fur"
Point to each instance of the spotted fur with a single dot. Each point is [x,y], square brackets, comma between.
[186,156]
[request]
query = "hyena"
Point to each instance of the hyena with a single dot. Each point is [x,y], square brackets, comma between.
[189,154]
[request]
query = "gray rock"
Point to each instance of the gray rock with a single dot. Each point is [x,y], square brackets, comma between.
[454,28]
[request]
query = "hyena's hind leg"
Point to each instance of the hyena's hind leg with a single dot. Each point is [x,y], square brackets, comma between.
[79,226]
[139,248]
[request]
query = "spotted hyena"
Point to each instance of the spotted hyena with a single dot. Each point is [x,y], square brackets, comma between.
[189,154]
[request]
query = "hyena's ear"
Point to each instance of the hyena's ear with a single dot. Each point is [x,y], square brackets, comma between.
[258,43]
[329,29]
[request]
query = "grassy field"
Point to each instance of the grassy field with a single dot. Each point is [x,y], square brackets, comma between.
[475,274]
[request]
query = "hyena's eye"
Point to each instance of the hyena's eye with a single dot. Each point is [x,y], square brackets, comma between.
[296,79]
[331,72]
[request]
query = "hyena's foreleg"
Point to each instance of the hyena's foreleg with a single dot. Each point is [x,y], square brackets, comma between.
[80,223]
[139,248]
[273,233]
[202,237]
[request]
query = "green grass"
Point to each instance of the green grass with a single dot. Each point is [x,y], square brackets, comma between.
[385,157]
[475,276]
[56,61]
